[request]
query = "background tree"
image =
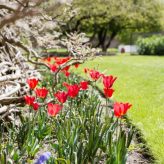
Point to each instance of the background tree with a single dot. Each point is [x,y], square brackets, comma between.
[104,20]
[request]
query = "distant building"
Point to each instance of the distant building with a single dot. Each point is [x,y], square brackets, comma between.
[128,49]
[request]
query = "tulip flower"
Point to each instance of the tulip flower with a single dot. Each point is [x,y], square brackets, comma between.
[108,92]
[53,109]
[121,108]
[53,67]
[84,85]
[73,90]
[35,105]
[67,73]
[48,59]
[29,100]
[108,81]
[32,82]
[66,84]
[77,65]
[95,75]
[60,61]
[61,96]
[86,70]
[41,92]
[66,68]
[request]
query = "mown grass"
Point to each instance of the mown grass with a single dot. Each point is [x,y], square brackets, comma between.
[140,82]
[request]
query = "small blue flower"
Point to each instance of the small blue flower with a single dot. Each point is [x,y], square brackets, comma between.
[43,158]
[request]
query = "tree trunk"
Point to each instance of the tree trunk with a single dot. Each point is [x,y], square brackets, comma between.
[106,46]
[102,38]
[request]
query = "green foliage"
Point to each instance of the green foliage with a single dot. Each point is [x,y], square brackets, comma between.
[108,18]
[151,46]
[110,12]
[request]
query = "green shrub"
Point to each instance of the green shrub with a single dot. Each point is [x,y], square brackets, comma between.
[153,45]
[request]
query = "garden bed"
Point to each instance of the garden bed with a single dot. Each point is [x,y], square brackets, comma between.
[83,125]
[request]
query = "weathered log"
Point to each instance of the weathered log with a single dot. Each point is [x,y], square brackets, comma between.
[12,100]
[13,91]
[3,109]
[9,77]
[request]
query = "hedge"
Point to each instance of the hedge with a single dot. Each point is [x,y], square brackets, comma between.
[153,45]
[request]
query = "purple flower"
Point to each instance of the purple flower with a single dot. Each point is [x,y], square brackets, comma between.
[43,158]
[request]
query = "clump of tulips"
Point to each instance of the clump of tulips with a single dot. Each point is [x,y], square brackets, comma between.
[69,121]
[120,109]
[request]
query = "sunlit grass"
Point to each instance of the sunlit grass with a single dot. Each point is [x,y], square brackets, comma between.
[140,82]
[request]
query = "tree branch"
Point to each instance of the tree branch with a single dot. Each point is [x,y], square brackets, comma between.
[8,7]
[13,91]
[11,100]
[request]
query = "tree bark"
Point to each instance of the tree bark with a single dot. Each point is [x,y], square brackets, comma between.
[106,46]
[102,38]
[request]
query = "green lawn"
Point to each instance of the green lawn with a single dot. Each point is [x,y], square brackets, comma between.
[140,82]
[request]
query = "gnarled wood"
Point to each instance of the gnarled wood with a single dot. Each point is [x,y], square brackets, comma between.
[11,100]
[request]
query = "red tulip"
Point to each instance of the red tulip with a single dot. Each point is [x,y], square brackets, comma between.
[53,67]
[32,82]
[73,90]
[86,70]
[55,58]
[47,60]
[41,92]
[66,68]
[84,85]
[95,75]
[29,100]
[67,73]
[66,84]
[53,109]
[35,105]
[121,108]
[61,96]
[108,92]
[60,61]
[77,65]
[108,81]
